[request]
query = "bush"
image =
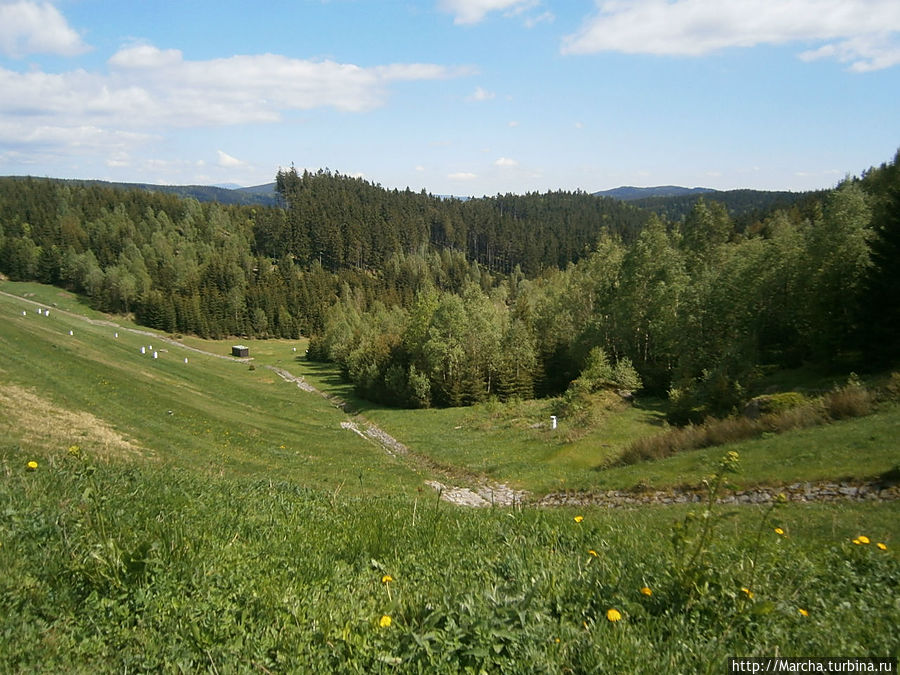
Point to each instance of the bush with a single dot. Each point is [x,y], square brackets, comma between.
[599,373]
[784,412]
[851,400]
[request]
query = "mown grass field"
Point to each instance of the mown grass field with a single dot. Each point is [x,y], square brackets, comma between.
[210,415]
[193,541]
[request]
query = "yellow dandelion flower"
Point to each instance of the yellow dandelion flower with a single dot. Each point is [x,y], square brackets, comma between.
[857,542]
[386,579]
[802,611]
[779,531]
[385,621]
[613,615]
[882,545]
[646,591]
[746,591]
[593,553]
[578,519]
[863,539]
[32,465]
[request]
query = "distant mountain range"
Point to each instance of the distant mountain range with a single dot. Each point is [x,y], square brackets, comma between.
[262,195]
[627,193]
[672,202]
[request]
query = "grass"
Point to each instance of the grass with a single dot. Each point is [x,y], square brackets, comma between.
[109,568]
[860,448]
[211,415]
[247,532]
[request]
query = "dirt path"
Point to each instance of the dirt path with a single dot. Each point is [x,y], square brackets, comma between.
[480,491]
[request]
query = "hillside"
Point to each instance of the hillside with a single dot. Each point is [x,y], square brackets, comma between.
[170,515]
[630,193]
[262,195]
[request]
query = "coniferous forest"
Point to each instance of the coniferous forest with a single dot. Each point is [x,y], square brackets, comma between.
[427,301]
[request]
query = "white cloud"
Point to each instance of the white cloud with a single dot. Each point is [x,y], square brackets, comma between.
[462,176]
[473,11]
[860,32]
[532,21]
[506,162]
[481,95]
[227,161]
[147,90]
[36,28]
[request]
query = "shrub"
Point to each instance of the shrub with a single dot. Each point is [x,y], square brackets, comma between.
[781,402]
[851,400]
[809,415]
[892,388]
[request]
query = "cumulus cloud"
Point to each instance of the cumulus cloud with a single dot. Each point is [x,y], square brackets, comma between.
[146,90]
[473,11]
[462,175]
[862,33]
[36,28]
[506,163]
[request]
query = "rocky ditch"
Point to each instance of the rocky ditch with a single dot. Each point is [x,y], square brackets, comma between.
[823,491]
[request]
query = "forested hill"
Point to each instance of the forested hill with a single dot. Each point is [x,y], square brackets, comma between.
[262,195]
[743,206]
[343,221]
[423,300]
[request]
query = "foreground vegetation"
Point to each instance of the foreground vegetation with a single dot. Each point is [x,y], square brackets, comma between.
[163,515]
[113,567]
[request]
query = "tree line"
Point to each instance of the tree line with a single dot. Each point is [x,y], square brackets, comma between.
[430,301]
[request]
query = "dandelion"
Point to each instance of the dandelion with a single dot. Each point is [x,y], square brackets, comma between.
[802,611]
[857,542]
[646,591]
[613,615]
[593,553]
[882,545]
[385,621]
[863,539]
[779,531]
[32,465]
[746,591]
[578,519]
[386,579]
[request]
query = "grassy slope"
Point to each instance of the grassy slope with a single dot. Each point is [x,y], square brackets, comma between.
[213,557]
[225,417]
[514,444]
[500,441]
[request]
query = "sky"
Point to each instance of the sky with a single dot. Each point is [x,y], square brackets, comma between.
[462,97]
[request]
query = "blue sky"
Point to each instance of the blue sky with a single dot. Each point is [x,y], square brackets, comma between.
[465,97]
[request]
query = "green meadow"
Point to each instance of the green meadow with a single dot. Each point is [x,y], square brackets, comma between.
[157,515]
